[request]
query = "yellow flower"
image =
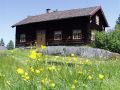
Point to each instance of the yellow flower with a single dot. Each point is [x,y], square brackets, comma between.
[88,62]
[51,68]
[72,55]
[73,87]
[35,42]
[45,81]
[41,69]
[32,69]
[75,59]
[38,55]
[8,82]
[20,71]
[52,85]
[75,81]
[84,85]
[26,74]
[69,59]
[43,47]
[80,73]
[101,76]
[33,54]
[12,51]
[26,78]
[37,71]
[90,77]
[81,62]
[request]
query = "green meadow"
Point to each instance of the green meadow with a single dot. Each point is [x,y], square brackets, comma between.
[27,70]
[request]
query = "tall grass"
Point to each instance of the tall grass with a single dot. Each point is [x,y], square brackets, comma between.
[57,72]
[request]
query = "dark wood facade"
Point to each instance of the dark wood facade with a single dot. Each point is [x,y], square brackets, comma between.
[43,32]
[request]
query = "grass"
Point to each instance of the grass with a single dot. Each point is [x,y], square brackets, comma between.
[56,72]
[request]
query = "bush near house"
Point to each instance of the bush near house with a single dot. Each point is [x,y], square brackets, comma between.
[109,41]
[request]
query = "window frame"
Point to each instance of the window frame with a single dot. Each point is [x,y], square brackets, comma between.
[59,33]
[77,32]
[97,20]
[22,37]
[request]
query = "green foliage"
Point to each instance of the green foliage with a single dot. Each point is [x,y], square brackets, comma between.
[117,26]
[2,42]
[109,41]
[118,20]
[10,45]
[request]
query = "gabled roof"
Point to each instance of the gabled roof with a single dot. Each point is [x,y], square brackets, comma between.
[61,15]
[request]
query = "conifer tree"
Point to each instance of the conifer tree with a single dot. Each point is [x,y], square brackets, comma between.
[10,45]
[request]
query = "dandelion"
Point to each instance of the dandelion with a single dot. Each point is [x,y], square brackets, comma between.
[32,69]
[101,76]
[69,59]
[20,71]
[84,85]
[35,42]
[45,81]
[8,82]
[26,78]
[75,81]
[52,85]
[26,73]
[81,62]
[33,54]
[38,55]
[41,69]
[72,55]
[75,59]
[73,87]
[89,77]
[12,51]
[80,73]
[43,46]
[37,71]
[51,68]
[88,62]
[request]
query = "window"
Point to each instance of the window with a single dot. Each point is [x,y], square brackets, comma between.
[77,34]
[57,35]
[97,20]
[92,35]
[22,38]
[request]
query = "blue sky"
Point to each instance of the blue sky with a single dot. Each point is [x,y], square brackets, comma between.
[12,11]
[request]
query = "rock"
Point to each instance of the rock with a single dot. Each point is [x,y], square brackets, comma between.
[3,48]
[82,51]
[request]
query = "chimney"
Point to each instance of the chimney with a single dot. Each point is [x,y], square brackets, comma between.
[55,10]
[48,10]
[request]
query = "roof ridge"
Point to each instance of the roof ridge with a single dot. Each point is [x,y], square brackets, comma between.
[65,10]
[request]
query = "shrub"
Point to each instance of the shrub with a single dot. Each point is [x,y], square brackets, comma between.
[109,41]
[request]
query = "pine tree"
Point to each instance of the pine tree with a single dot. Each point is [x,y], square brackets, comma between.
[118,20]
[10,45]
[2,42]
[117,26]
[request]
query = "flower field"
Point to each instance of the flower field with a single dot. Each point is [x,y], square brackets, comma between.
[29,70]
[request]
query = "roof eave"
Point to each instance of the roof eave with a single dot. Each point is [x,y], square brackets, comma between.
[15,25]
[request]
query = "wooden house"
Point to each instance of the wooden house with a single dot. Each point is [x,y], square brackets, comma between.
[69,27]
